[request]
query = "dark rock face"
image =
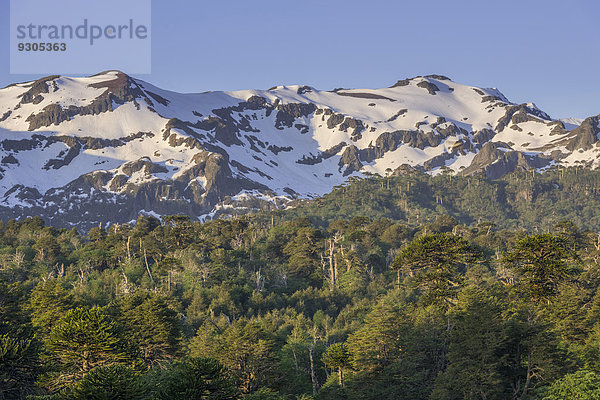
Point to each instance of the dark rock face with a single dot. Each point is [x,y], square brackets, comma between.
[302,128]
[584,136]
[430,87]
[389,141]
[519,114]
[449,130]
[225,128]
[304,89]
[193,139]
[365,95]
[52,114]
[398,114]
[37,88]
[220,180]
[483,136]
[496,159]
[324,155]
[485,99]
[143,163]
[288,113]
[437,161]
[123,88]
[65,160]
[118,182]
[356,125]
[350,159]
[9,159]
[400,83]
[158,99]
[118,91]
[23,144]
[438,77]
[276,149]
[24,193]
[559,128]
[5,116]
[334,120]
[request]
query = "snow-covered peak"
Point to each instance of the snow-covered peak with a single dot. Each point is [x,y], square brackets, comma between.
[114,139]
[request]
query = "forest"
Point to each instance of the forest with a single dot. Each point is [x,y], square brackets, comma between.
[400,287]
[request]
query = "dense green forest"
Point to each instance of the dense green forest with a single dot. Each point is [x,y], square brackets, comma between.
[404,287]
[520,200]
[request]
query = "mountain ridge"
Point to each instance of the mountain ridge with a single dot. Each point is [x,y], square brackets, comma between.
[105,148]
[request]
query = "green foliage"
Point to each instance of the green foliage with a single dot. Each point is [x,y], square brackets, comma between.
[475,352]
[264,394]
[150,325]
[398,286]
[519,200]
[541,263]
[379,342]
[584,385]
[108,383]
[195,378]
[244,348]
[84,339]
[48,302]
[337,356]
[19,365]
[436,263]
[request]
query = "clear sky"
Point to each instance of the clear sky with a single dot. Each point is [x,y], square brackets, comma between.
[547,52]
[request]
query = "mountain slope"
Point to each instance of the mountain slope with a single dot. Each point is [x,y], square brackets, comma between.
[79,151]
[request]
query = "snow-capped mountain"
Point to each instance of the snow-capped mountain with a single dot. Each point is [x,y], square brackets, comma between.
[79,151]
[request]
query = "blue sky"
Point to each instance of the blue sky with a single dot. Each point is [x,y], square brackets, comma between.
[547,52]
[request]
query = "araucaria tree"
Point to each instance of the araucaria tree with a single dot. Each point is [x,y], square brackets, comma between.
[541,263]
[436,264]
[84,339]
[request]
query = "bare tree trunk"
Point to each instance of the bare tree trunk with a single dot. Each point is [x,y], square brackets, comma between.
[295,360]
[528,379]
[331,263]
[148,267]
[128,250]
[313,375]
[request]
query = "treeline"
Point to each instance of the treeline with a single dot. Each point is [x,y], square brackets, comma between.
[519,200]
[253,308]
